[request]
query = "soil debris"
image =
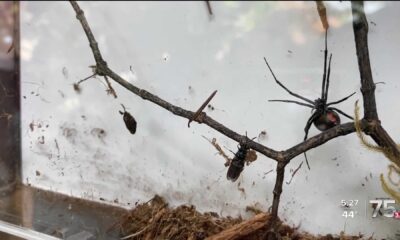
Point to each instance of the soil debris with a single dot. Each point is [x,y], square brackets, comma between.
[156,220]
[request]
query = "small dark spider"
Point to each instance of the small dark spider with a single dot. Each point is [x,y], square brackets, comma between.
[237,164]
[324,116]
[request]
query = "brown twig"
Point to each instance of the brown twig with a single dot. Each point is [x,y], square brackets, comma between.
[110,89]
[377,132]
[282,157]
[210,12]
[220,151]
[360,27]
[294,173]
[201,108]
[136,233]
[280,176]
[86,78]
[322,14]
[287,155]
[371,124]
[241,230]
[92,41]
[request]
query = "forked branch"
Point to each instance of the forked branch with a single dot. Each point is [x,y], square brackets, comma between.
[371,124]
[103,70]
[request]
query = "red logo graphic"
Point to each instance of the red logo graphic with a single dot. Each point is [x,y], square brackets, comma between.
[397,215]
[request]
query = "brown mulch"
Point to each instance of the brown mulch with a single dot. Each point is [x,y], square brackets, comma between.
[156,220]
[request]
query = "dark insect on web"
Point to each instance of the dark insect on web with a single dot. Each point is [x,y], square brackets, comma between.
[237,164]
[324,116]
[129,120]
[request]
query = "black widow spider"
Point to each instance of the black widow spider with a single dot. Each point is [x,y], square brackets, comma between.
[324,117]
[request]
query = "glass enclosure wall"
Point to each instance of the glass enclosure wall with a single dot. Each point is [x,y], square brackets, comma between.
[75,142]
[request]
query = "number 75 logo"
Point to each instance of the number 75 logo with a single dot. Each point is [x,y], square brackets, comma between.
[388,211]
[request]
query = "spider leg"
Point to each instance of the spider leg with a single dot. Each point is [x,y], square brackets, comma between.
[283,86]
[327,78]
[325,58]
[309,122]
[230,150]
[249,138]
[306,129]
[291,101]
[341,100]
[341,112]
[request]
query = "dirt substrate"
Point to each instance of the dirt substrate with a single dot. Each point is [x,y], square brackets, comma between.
[156,220]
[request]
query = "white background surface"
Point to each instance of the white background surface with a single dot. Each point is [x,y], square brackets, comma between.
[174,45]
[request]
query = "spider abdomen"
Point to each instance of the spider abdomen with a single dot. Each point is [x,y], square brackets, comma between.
[234,170]
[327,120]
[237,164]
